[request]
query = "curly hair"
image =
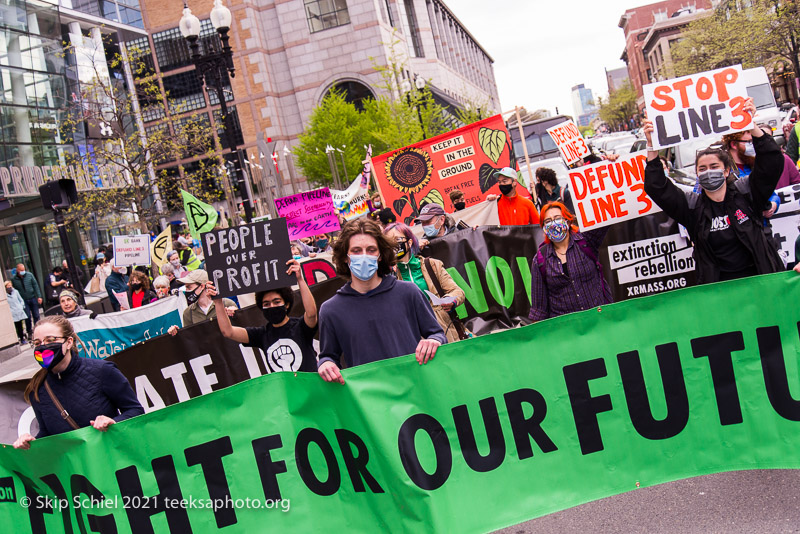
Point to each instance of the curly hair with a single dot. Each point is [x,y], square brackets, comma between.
[545,174]
[142,278]
[362,225]
[568,216]
[286,294]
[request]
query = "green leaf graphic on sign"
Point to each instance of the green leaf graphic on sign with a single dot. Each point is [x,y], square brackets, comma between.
[433,197]
[486,177]
[492,142]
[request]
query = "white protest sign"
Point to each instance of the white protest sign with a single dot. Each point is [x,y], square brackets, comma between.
[570,142]
[132,250]
[708,104]
[610,191]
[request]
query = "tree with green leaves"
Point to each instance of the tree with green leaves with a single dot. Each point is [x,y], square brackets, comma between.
[619,106]
[116,141]
[393,120]
[762,33]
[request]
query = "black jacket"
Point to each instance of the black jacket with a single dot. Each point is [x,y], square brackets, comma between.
[86,388]
[148,297]
[748,195]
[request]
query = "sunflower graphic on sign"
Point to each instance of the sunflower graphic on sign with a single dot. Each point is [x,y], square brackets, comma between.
[409,170]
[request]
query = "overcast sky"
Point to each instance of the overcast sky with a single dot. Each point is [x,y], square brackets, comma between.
[542,48]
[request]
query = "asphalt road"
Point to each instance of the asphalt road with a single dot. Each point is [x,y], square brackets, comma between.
[736,502]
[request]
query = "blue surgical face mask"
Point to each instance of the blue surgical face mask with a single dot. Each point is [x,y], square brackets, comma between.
[363,266]
[749,149]
[430,230]
[297,257]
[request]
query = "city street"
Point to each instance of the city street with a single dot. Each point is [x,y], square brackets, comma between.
[742,501]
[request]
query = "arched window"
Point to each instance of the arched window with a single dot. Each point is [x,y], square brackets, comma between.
[354,92]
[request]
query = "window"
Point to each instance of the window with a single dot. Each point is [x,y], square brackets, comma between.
[324,14]
[141,57]
[238,139]
[184,92]
[354,92]
[172,50]
[409,19]
[226,90]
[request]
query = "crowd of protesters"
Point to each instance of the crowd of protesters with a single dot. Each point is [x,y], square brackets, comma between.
[395,300]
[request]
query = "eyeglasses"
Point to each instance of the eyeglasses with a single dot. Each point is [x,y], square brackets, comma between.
[557,219]
[45,341]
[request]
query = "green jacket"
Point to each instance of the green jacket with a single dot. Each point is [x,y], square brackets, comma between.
[27,286]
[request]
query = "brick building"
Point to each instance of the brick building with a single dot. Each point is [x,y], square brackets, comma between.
[636,23]
[289,54]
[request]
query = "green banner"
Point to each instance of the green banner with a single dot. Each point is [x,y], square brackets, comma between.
[494,431]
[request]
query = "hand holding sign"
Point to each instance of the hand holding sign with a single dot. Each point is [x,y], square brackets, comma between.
[708,104]
[248,258]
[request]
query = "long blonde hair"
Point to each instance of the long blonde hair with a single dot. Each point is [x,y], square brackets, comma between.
[68,332]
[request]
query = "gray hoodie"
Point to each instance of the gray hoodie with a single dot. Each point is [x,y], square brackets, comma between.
[386,322]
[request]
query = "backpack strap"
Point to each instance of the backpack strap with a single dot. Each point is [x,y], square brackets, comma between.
[540,260]
[589,253]
[437,285]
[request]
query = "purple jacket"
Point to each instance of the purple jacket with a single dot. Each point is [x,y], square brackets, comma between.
[790,174]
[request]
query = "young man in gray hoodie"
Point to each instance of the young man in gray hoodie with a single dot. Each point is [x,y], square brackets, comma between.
[374,316]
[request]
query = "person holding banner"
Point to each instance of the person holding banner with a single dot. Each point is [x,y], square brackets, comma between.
[117,282]
[201,307]
[374,316]
[430,276]
[724,219]
[70,392]
[566,275]
[70,307]
[286,341]
[139,292]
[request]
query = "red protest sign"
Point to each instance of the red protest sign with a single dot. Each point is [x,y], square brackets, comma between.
[609,192]
[569,141]
[465,159]
[708,104]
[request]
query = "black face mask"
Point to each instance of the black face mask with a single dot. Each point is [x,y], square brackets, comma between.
[274,314]
[460,205]
[136,287]
[401,250]
[191,296]
[506,188]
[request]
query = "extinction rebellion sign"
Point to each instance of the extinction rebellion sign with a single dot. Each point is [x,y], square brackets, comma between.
[492,432]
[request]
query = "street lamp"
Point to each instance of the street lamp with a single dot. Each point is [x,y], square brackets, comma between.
[215,69]
[405,86]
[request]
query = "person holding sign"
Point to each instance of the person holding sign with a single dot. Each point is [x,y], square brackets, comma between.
[725,218]
[287,341]
[374,316]
[566,275]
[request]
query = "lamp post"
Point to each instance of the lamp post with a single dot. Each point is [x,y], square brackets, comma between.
[215,68]
[405,86]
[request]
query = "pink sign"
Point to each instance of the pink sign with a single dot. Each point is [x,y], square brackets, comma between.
[308,213]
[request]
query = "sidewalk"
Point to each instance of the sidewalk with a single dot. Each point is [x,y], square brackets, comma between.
[17,363]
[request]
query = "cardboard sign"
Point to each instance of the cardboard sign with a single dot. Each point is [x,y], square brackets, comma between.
[248,258]
[352,202]
[570,142]
[308,213]
[708,104]
[132,250]
[426,172]
[610,191]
